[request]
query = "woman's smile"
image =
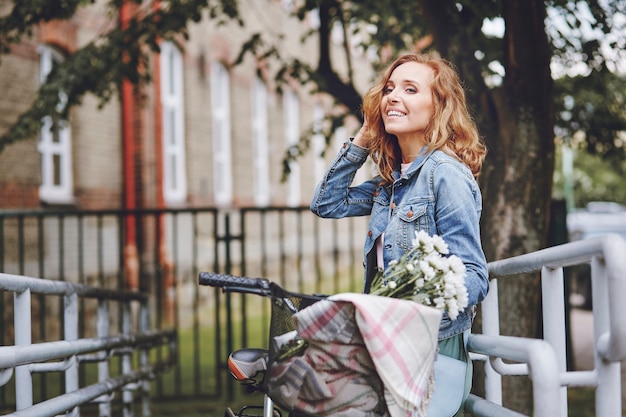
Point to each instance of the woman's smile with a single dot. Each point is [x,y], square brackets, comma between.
[407,105]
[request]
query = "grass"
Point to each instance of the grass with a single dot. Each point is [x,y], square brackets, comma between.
[175,408]
[194,374]
[581,402]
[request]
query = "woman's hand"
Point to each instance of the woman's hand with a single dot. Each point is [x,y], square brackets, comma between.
[361,137]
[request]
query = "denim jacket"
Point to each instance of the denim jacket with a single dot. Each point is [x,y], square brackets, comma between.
[438,194]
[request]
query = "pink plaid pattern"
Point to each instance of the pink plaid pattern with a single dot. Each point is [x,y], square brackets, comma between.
[367,356]
[401,338]
[335,375]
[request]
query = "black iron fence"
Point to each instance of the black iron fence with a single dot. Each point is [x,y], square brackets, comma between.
[161,252]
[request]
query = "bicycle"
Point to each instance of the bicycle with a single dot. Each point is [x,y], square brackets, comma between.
[318,362]
[249,365]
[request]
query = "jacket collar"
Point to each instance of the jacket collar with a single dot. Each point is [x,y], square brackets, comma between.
[417,163]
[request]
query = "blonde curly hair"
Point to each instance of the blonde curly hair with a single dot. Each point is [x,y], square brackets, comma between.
[451,128]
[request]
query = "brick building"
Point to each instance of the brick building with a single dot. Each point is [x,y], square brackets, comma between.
[203,134]
[206,134]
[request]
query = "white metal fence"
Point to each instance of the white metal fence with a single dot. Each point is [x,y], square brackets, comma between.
[132,344]
[544,361]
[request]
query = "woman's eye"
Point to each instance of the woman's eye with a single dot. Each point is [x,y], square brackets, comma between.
[387,90]
[411,90]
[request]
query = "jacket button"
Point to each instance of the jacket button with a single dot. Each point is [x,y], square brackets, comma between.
[370,233]
[345,145]
[409,213]
[376,193]
[392,206]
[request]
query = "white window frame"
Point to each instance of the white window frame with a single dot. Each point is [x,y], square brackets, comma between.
[288,5]
[173,127]
[260,143]
[291,110]
[314,18]
[318,142]
[55,144]
[222,140]
[340,137]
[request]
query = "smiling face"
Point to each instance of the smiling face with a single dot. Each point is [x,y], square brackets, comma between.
[407,104]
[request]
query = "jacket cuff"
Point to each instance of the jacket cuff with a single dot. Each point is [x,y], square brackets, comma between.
[354,152]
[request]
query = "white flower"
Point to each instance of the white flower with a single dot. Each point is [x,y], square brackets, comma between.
[423,241]
[427,270]
[456,264]
[420,238]
[449,290]
[440,245]
[428,247]
[453,278]
[425,275]
[462,296]
[453,308]
[436,261]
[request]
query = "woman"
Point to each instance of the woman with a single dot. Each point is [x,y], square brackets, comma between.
[420,135]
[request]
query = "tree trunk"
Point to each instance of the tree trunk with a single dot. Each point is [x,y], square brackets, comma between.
[518,183]
[516,120]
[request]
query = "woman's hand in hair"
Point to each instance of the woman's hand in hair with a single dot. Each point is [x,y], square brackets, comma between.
[362,138]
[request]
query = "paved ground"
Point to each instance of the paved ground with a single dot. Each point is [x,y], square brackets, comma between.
[582,341]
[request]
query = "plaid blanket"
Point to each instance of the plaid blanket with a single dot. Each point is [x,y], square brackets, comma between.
[366,356]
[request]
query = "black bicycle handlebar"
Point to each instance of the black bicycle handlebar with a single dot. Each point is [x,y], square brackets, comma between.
[224,280]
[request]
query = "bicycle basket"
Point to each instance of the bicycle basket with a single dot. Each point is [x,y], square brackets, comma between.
[284,305]
[318,364]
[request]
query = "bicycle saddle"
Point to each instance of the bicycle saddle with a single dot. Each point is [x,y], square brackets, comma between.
[245,364]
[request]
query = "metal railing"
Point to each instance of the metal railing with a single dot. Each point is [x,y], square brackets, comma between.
[304,254]
[132,344]
[545,361]
[287,244]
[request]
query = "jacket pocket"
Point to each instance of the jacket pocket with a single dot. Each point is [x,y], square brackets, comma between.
[413,217]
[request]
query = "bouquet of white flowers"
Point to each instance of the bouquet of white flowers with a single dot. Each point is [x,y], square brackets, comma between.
[424,274]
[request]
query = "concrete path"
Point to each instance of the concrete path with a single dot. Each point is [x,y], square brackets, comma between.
[582,344]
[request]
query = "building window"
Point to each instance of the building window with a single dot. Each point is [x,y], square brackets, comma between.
[55,143]
[291,108]
[314,18]
[261,179]
[220,104]
[288,5]
[172,102]
[318,142]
